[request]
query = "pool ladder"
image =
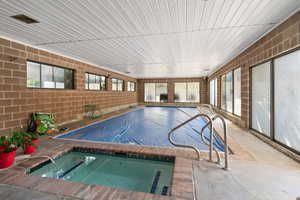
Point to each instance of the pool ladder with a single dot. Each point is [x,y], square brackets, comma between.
[207,112]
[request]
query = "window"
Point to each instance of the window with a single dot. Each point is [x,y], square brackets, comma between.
[237,92]
[287,100]
[156,92]
[231,91]
[213,87]
[95,82]
[48,76]
[187,92]
[275,100]
[117,85]
[223,92]
[130,86]
[261,98]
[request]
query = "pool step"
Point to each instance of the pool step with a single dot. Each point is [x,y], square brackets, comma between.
[165,191]
[155,182]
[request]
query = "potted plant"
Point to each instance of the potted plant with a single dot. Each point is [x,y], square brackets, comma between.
[29,141]
[8,147]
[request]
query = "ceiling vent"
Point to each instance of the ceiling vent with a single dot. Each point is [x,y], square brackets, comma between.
[25,19]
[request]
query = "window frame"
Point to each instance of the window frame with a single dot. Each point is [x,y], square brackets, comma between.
[117,87]
[105,82]
[233,88]
[187,92]
[272,99]
[155,92]
[129,88]
[40,75]
[215,87]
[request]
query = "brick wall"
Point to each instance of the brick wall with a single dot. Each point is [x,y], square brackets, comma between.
[171,81]
[17,101]
[280,40]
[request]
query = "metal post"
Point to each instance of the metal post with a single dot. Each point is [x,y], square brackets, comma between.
[211,142]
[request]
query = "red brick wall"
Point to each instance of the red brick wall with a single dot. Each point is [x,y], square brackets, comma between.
[171,81]
[17,101]
[280,40]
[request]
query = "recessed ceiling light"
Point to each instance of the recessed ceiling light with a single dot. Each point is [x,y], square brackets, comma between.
[206,70]
[25,19]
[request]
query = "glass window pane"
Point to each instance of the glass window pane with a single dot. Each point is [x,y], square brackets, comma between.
[47,77]
[120,85]
[33,75]
[193,92]
[149,95]
[86,81]
[128,86]
[114,84]
[229,92]
[237,91]
[59,77]
[261,98]
[180,92]
[69,79]
[212,92]
[287,99]
[223,92]
[216,92]
[93,85]
[103,83]
[161,92]
[97,83]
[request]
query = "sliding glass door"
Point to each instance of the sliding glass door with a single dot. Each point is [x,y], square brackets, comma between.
[275,99]
[287,100]
[261,99]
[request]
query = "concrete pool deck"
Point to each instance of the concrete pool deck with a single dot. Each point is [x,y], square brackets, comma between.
[257,171]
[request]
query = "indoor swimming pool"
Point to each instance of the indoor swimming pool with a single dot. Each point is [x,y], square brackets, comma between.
[147,126]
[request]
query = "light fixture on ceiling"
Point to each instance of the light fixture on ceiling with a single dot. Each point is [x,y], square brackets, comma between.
[206,70]
[24,19]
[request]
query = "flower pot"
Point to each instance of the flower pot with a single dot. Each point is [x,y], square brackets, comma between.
[7,159]
[31,148]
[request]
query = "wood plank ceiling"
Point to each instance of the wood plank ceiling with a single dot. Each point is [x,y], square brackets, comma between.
[145,38]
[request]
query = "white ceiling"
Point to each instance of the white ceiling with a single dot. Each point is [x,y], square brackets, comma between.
[148,38]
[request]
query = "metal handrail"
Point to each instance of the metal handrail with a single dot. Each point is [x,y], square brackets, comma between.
[225,128]
[182,124]
[225,137]
[204,141]
[211,116]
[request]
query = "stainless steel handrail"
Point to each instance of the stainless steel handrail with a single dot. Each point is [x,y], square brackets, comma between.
[209,144]
[206,111]
[225,128]
[182,124]
[215,116]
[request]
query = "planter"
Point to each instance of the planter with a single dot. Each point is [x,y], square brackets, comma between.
[31,148]
[7,159]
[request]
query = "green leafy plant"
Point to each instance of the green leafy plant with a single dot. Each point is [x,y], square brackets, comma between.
[26,138]
[10,143]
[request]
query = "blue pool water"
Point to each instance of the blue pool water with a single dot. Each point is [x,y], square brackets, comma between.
[118,171]
[147,126]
